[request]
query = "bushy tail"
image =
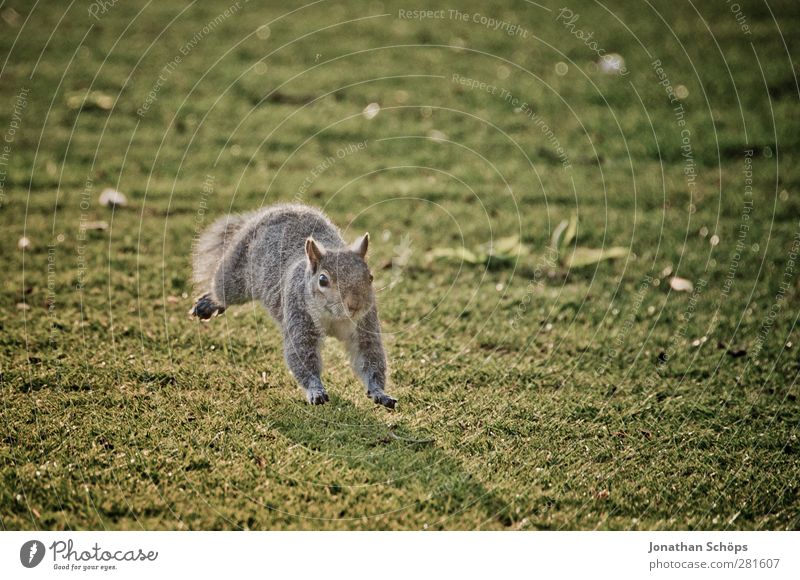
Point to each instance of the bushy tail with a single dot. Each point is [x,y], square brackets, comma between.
[210,248]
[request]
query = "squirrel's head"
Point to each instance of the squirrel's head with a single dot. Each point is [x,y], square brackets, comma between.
[340,278]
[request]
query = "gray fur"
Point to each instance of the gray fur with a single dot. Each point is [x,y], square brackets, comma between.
[276,255]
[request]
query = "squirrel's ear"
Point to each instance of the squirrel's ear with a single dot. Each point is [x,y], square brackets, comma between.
[360,245]
[314,253]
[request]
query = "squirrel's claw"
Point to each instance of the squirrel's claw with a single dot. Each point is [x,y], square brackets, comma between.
[205,308]
[317,397]
[383,399]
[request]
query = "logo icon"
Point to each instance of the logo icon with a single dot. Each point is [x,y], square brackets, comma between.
[31,553]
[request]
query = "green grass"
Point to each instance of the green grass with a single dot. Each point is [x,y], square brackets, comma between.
[530,397]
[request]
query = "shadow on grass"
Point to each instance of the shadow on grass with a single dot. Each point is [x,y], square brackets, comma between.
[403,472]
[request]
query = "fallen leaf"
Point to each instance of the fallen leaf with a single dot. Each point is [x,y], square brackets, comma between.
[93,100]
[437,135]
[371,111]
[571,231]
[11,16]
[612,63]
[112,197]
[507,245]
[589,256]
[555,238]
[460,254]
[681,284]
[99,225]
[505,249]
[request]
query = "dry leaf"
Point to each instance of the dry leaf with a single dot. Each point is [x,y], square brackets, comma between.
[612,63]
[589,256]
[681,284]
[112,197]
[555,238]
[89,101]
[460,254]
[11,17]
[437,135]
[371,111]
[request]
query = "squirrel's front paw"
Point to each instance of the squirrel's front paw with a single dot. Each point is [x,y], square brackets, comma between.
[317,396]
[382,398]
[205,308]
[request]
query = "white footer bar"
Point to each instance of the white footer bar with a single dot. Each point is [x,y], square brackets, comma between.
[386,555]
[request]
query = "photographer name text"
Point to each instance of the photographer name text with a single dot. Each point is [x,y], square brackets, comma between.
[707,547]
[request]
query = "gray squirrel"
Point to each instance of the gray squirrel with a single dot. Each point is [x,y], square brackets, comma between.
[293,259]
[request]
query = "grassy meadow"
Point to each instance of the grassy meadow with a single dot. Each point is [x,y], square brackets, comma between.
[491,150]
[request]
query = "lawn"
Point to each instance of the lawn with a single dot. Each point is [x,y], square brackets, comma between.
[538,386]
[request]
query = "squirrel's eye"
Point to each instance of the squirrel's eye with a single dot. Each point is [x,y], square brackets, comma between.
[323,281]
[371,278]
